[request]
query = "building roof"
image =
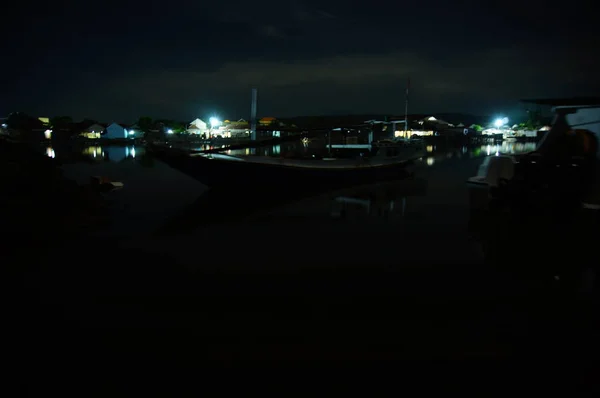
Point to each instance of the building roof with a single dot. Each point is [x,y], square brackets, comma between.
[86,124]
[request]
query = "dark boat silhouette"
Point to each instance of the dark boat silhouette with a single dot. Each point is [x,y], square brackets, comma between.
[217,170]
[547,199]
[565,165]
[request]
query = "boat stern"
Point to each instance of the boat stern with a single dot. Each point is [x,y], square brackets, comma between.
[494,172]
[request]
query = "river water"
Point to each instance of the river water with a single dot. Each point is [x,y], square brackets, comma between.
[154,193]
[342,311]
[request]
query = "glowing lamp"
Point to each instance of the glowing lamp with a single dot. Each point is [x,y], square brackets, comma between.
[500,122]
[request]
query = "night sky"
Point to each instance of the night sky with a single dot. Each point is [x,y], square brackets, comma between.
[118,60]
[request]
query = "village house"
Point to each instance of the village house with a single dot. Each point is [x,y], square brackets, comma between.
[268,122]
[92,131]
[115,131]
[197,126]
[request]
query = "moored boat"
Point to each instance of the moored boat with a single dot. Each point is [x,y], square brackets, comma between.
[216,170]
[547,199]
[566,163]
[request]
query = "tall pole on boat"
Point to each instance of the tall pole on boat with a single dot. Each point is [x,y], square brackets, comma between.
[253,107]
[406,109]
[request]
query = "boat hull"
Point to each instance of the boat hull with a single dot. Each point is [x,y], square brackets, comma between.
[220,172]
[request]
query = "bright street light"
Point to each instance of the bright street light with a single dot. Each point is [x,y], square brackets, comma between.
[169,131]
[214,122]
[500,122]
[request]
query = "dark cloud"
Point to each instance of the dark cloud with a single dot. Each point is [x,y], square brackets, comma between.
[122,59]
[368,83]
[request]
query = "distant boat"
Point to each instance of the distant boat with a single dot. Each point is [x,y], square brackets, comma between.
[215,170]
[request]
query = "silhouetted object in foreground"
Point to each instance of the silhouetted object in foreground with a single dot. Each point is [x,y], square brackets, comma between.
[44,207]
[104,184]
[546,199]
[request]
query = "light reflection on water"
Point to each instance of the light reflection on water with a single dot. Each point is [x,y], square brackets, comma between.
[385,202]
[508,148]
[152,191]
[434,152]
[93,151]
[112,153]
[171,190]
[97,152]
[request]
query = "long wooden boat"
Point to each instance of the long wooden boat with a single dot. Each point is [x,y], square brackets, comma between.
[216,170]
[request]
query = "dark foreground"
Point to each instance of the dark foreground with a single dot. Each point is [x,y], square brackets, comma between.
[94,318]
[113,324]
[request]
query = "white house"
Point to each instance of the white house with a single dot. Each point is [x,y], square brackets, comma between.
[115,131]
[93,131]
[197,126]
[432,120]
[134,131]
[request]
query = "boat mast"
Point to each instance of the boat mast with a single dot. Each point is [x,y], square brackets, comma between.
[253,107]
[406,109]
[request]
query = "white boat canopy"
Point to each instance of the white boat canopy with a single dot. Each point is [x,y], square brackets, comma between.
[572,113]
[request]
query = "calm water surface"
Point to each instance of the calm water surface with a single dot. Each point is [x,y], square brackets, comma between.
[435,151]
[432,206]
[153,192]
